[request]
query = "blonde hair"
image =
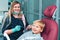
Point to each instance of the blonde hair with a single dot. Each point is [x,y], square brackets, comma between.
[40,23]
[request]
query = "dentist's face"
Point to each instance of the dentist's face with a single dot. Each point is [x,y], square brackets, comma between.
[16,8]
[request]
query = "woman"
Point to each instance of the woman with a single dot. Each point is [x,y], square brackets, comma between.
[12,19]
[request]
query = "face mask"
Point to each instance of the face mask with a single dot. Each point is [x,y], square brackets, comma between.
[15,13]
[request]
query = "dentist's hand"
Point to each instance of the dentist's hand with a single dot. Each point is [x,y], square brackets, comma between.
[29,27]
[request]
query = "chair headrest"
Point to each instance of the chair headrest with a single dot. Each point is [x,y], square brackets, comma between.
[49,11]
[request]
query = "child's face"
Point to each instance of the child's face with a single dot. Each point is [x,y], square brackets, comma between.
[36,28]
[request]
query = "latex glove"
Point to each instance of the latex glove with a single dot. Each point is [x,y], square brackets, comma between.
[17,28]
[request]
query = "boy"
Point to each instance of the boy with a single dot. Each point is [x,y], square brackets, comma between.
[37,28]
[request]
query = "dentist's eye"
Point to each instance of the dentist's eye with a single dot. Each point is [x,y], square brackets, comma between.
[18,7]
[15,7]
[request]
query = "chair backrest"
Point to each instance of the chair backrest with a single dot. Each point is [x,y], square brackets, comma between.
[51,27]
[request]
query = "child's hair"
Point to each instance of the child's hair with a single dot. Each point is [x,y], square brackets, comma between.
[40,23]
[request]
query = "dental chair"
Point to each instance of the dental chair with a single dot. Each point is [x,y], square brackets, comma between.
[51,27]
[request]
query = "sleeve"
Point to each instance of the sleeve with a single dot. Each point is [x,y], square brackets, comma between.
[25,20]
[4,23]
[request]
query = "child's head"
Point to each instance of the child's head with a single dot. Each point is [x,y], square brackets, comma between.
[38,26]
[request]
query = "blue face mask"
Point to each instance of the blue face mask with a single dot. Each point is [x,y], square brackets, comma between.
[16,13]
